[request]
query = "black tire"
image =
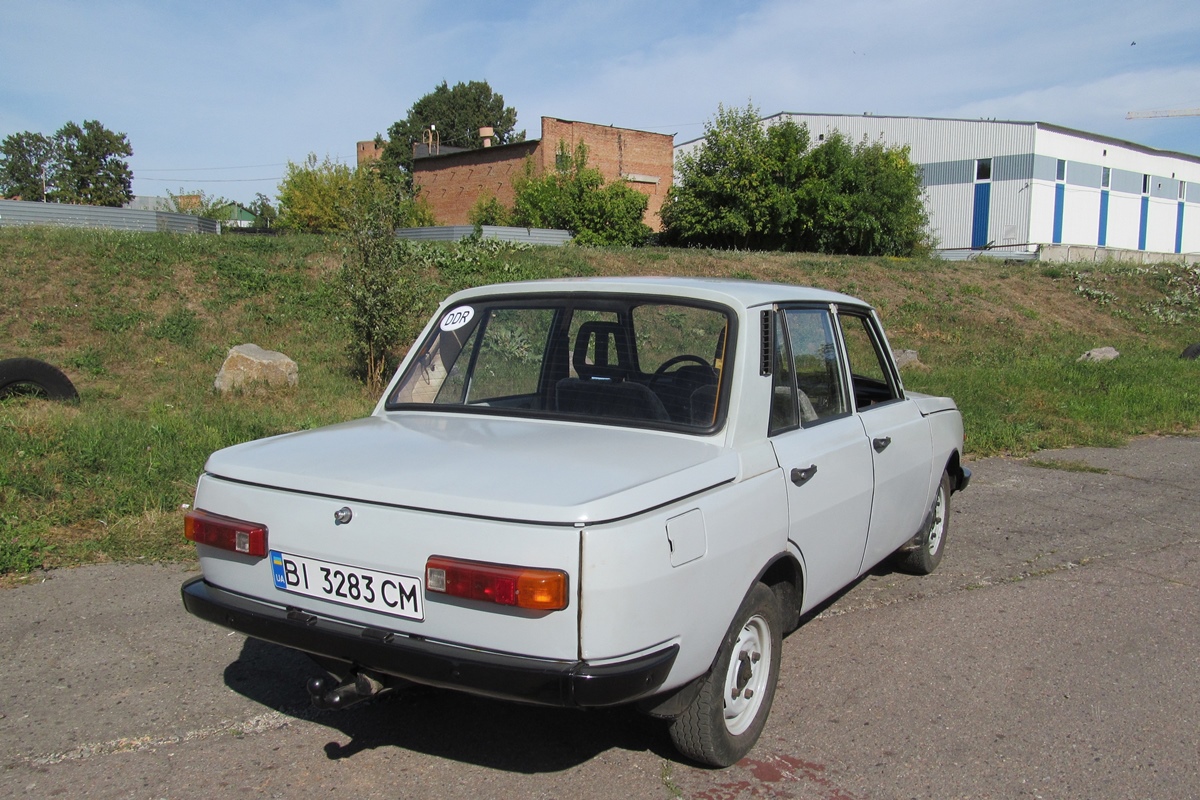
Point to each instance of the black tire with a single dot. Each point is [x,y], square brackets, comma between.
[924,558]
[727,716]
[28,376]
[1191,352]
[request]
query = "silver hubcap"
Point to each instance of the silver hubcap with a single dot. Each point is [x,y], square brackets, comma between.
[938,526]
[746,678]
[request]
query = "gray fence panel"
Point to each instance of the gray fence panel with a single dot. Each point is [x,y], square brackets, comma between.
[23,212]
[454,233]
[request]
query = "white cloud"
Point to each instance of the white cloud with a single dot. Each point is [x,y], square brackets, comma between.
[225,84]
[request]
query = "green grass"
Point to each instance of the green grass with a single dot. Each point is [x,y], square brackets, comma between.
[142,322]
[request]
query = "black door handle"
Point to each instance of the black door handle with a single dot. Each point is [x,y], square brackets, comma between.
[803,476]
[881,444]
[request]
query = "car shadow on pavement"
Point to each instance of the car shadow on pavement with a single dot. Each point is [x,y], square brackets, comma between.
[439,722]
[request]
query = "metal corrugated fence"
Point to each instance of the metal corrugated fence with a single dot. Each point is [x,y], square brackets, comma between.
[453,233]
[23,212]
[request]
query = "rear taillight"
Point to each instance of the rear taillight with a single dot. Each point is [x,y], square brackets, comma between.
[523,587]
[227,533]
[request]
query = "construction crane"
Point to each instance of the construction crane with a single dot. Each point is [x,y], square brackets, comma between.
[1180,112]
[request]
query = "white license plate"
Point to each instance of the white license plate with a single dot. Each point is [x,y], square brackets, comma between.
[397,595]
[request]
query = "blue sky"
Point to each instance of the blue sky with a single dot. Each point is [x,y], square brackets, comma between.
[219,95]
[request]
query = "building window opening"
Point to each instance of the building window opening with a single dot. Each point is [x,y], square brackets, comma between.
[1145,184]
[983,169]
[1182,189]
[1106,178]
[1060,170]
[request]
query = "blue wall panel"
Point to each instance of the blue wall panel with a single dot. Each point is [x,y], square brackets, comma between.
[1102,236]
[1143,223]
[1060,193]
[1179,229]
[979,226]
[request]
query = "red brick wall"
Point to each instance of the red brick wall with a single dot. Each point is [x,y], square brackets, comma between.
[453,183]
[618,153]
[367,151]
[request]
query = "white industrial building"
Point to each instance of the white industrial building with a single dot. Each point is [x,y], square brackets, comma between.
[1028,186]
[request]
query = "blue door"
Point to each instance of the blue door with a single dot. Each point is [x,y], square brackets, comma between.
[1144,221]
[979,227]
[1179,229]
[1060,192]
[1102,236]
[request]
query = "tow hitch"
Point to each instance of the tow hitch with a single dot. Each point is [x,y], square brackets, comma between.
[326,693]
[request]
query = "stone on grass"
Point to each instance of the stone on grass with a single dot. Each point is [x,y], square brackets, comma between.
[249,364]
[1099,354]
[908,358]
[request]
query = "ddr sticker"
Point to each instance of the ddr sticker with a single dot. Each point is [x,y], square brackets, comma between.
[457,318]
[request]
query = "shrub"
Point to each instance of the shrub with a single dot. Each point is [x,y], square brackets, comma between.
[575,198]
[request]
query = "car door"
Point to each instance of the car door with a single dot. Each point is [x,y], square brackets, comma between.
[900,446]
[822,448]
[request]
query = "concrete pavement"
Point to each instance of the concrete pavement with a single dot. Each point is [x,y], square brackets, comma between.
[1055,653]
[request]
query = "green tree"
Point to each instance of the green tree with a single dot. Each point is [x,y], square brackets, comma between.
[90,166]
[733,190]
[488,210]
[25,162]
[458,113]
[322,196]
[862,199]
[198,203]
[384,279]
[575,198]
[313,194]
[762,188]
[262,209]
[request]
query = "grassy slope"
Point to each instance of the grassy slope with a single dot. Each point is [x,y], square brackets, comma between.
[142,322]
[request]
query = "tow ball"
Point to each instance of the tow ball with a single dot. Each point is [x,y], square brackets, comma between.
[327,693]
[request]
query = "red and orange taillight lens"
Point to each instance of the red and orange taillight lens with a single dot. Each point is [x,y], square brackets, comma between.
[523,587]
[227,533]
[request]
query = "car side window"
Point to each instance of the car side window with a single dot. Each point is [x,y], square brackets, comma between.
[807,378]
[872,380]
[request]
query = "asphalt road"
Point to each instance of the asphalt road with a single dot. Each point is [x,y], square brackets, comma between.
[1055,653]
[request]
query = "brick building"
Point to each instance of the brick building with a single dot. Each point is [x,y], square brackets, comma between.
[369,151]
[453,182]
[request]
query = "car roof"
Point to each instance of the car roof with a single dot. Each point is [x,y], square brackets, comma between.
[728,291]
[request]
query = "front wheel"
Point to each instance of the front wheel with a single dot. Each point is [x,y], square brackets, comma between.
[727,716]
[924,558]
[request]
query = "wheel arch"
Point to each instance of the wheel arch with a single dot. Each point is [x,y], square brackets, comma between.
[785,577]
[960,476]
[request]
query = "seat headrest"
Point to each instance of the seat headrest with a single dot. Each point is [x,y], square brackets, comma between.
[606,341]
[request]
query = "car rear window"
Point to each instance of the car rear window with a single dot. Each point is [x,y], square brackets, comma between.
[615,360]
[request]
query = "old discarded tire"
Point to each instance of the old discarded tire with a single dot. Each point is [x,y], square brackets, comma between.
[1191,352]
[924,558]
[28,376]
[725,719]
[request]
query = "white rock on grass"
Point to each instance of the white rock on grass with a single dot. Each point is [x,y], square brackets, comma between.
[1099,354]
[908,358]
[250,364]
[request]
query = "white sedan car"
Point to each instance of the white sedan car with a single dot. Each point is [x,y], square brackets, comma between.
[585,493]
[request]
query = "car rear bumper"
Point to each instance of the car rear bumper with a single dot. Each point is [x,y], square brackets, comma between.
[546,682]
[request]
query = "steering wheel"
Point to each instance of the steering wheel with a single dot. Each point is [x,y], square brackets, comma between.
[661,372]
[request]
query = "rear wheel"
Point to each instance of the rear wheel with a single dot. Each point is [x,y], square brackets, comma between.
[728,714]
[924,558]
